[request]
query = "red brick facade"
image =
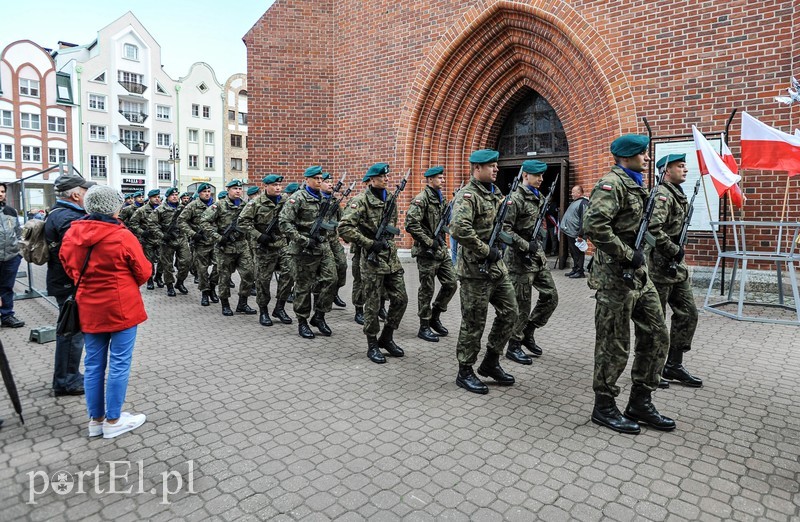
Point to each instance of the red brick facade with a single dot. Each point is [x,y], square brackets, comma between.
[416,84]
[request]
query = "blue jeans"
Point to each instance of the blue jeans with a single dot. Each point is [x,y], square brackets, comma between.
[115,350]
[8,274]
[67,367]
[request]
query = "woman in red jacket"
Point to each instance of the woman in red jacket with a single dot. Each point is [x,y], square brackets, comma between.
[109,304]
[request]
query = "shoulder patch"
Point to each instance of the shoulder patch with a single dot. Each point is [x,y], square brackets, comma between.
[417,202]
[467,195]
[214,207]
[291,200]
[662,198]
[606,187]
[353,205]
[509,202]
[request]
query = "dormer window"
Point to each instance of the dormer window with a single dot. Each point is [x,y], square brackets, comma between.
[130,52]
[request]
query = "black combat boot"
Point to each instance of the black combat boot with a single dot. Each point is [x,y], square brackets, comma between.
[605,413]
[180,287]
[150,284]
[674,370]
[359,317]
[373,351]
[226,307]
[171,290]
[204,298]
[212,294]
[338,301]
[263,317]
[663,384]
[490,367]
[386,342]
[515,353]
[425,332]
[303,329]
[530,343]
[319,321]
[243,308]
[159,282]
[436,323]
[382,312]
[640,408]
[280,313]
[466,379]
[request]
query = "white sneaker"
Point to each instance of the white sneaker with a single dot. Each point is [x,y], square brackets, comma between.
[124,424]
[95,428]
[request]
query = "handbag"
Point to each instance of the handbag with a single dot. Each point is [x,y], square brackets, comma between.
[69,323]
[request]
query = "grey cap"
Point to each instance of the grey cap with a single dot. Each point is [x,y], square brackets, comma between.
[102,199]
[70,180]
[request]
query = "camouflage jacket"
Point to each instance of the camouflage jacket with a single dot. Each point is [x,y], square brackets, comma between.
[296,219]
[164,215]
[144,224]
[256,218]
[360,223]
[520,222]
[422,219]
[670,210]
[334,217]
[474,211]
[221,217]
[611,222]
[126,213]
[190,222]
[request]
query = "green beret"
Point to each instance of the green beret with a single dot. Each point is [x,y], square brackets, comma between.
[291,187]
[251,191]
[533,167]
[235,183]
[272,178]
[484,156]
[669,158]
[433,171]
[128,196]
[170,191]
[222,194]
[629,145]
[154,192]
[326,175]
[203,186]
[138,194]
[186,195]
[376,170]
[310,172]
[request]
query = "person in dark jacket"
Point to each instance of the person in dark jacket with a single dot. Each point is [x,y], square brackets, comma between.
[572,226]
[70,189]
[10,258]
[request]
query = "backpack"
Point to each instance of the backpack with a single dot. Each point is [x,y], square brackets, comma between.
[33,246]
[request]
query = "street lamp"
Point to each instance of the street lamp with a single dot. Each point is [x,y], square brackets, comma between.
[174,159]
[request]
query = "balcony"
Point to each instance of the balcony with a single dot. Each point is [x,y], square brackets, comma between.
[135,145]
[134,117]
[133,170]
[133,87]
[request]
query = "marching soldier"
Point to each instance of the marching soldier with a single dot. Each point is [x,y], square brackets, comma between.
[284,270]
[612,220]
[143,223]
[483,276]
[191,223]
[220,222]
[258,220]
[339,257]
[359,226]
[423,217]
[186,197]
[175,247]
[528,264]
[127,212]
[673,285]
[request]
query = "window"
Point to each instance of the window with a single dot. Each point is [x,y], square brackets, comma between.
[163,112]
[30,121]
[100,78]
[97,102]
[532,126]
[28,87]
[209,137]
[6,152]
[99,166]
[5,119]
[132,166]
[209,162]
[97,132]
[160,89]
[206,111]
[130,52]
[231,115]
[134,112]
[56,124]
[236,164]
[193,136]
[129,77]
[163,171]
[31,153]
[57,155]
[195,110]
[236,140]
[202,87]
[192,161]
[163,139]
[242,118]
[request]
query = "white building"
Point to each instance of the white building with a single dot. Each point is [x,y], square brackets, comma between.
[235,113]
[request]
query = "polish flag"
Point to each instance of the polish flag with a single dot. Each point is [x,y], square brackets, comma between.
[735,193]
[712,164]
[766,148]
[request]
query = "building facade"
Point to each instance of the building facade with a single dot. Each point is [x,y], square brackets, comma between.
[235,138]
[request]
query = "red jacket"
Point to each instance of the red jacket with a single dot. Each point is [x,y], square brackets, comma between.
[108,297]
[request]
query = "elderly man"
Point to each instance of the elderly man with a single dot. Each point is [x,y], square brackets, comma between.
[572,226]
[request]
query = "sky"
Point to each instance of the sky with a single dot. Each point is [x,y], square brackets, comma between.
[208,31]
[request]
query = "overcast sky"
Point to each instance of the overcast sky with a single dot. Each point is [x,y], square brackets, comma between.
[208,31]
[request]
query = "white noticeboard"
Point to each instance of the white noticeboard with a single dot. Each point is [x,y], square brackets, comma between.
[700,217]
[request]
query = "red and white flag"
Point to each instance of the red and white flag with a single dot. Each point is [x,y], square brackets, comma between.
[712,164]
[766,148]
[735,193]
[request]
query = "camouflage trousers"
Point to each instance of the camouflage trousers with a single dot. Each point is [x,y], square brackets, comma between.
[358,285]
[476,295]
[229,262]
[175,255]
[375,287]
[310,271]
[285,278]
[205,257]
[152,252]
[340,259]
[683,324]
[266,263]
[546,304]
[616,306]
[429,270]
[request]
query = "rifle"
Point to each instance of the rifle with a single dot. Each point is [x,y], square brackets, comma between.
[441,227]
[385,230]
[171,233]
[527,258]
[336,203]
[673,266]
[499,220]
[231,232]
[324,209]
[643,235]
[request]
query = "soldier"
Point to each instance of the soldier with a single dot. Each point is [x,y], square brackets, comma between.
[143,223]
[220,221]
[186,197]
[259,221]
[252,193]
[422,218]
[127,212]
[339,257]
[175,246]
[284,270]
[312,260]
[673,286]
[483,276]
[359,226]
[528,264]
[612,220]
[191,223]
[128,200]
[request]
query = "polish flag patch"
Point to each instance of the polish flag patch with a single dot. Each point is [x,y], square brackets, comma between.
[291,201]
[607,187]
[509,202]
[662,198]
[467,195]
[353,205]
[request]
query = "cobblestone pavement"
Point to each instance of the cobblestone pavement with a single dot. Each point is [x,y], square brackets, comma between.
[268,426]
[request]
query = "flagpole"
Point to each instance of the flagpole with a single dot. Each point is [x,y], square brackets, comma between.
[785,198]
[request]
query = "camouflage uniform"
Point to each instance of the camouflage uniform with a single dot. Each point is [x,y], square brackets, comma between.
[254,220]
[358,287]
[611,222]
[175,246]
[127,212]
[191,223]
[285,277]
[144,225]
[339,257]
[235,255]
[474,212]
